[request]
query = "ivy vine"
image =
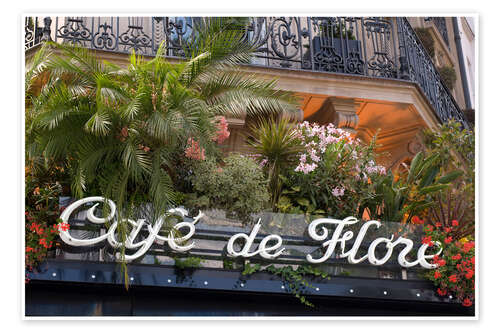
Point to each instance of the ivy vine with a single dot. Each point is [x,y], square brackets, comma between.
[295,278]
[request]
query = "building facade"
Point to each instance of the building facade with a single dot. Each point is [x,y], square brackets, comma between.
[384,76]
[367,74]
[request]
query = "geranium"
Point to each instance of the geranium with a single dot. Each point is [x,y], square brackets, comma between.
[416,220]
[467,302]
[468,246]
[441,292]
[41,219]
[427,240]
[456,266]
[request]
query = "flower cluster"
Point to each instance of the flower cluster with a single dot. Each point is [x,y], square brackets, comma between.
[316,139]
[40,238]
[456,264]
[222,131]
[42,223]
[194,151]
[334,175]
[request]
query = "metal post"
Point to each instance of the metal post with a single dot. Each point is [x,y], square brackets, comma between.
[47,21]
[403,61]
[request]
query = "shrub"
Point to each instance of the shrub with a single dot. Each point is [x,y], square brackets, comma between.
[42,222]
[448,76]
[427,41]
[239,186]
[277,144]
[335,175]
[456,265]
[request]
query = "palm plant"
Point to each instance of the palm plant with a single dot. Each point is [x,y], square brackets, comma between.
[121,130]
[401,199]
[278,145]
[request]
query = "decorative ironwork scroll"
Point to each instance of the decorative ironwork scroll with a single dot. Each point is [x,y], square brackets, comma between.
[75,31]
[364,46]
[32,32]
[135,38]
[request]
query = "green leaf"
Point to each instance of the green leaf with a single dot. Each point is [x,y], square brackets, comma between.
[450,177]
[303,202]
[433,188]
[415,163]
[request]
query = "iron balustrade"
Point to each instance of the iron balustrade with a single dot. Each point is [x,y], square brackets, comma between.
[440,23]
[32,32]
[365,46]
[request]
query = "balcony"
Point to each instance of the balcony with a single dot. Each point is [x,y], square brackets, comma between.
[354,47]
[440,23]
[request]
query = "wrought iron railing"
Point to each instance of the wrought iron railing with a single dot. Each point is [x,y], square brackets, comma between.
[363,46]
[440,23]
[417,66]
[32,32]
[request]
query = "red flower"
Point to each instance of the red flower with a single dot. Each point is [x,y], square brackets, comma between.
[457,257]
[416,220]
[427,240]
[453,278]
[454,223]
[447,230]
[470,274]
[448,240]
[29,249]
[64,226]
[468,246]
[441,292]
[467,302]
[439,225]
[441,262]
[437,274]
[429,228]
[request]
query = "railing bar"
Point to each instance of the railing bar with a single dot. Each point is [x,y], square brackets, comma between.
[394,49]
[311,44]
[118,33]
[363,36]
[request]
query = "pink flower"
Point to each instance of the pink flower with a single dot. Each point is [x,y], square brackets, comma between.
[222,132]
[338,192]
[306,168]
[194,151]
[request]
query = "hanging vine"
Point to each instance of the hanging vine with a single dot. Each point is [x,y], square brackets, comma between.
[294,278]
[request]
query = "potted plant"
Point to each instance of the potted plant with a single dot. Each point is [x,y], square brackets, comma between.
[334,39]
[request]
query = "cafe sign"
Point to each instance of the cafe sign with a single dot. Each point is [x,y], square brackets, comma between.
[270,247]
